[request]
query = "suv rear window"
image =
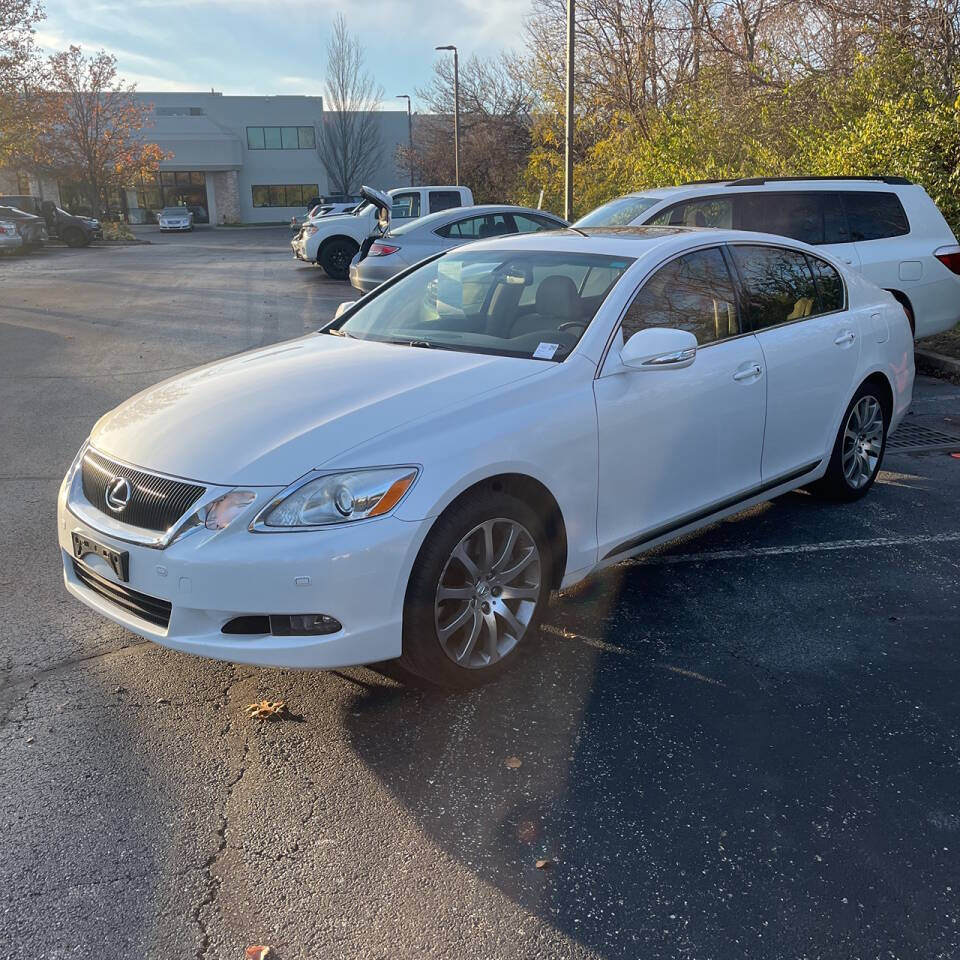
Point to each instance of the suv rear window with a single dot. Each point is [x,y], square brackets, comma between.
[874,216]
[813,217]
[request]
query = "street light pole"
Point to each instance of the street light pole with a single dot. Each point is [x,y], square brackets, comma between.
[406,96]
[568,137]
[456,111]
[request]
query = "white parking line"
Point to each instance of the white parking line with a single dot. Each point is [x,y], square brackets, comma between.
[794,548]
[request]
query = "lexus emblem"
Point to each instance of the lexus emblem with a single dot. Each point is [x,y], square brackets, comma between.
[118,493]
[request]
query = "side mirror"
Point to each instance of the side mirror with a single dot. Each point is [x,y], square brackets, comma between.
[343,308]
[659,348]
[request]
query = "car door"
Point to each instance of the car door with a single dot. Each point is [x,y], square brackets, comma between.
[679,444]
[811,351]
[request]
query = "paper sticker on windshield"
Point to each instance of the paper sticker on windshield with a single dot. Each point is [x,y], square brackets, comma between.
[546,351]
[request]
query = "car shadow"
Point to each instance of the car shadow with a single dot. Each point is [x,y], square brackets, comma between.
[715,759]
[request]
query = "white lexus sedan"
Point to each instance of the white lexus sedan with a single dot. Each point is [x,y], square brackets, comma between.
[415,478]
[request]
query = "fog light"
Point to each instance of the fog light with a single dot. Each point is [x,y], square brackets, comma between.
[303,624]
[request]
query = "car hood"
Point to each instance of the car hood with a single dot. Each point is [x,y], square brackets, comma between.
[266,417]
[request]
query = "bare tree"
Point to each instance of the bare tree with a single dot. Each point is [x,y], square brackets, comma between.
[495,108]
[350,148]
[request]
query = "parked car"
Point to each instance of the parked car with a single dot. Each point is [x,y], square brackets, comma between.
[75,231]
[31,229]
[502,420]
[381,258]
[175,219]
[10,238]
[324,207]
[333,241]
[886,227]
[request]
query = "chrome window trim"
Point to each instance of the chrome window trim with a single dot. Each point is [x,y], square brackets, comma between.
[738,283]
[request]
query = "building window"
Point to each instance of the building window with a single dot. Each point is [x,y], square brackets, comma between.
[175,188]
[284,194]
[281,138]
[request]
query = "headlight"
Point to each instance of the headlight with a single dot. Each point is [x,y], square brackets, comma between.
[309,230]
[224,510]
[339,498]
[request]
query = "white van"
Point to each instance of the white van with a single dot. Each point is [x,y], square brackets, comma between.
[886,227]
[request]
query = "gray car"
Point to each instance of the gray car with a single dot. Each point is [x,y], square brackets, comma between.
[381,258]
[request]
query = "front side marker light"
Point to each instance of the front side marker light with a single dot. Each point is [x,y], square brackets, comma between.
[393,496]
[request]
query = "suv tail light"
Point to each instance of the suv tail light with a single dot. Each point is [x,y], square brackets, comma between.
[381,250]
[949,257]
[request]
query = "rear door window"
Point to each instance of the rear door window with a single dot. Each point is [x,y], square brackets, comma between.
[444,200]
[479,228]
[778,283]
[875,216]
[829,285]
[529,223]
[693,292]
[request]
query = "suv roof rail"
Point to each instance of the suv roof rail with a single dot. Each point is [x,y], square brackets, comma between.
[696,183]
[757,181]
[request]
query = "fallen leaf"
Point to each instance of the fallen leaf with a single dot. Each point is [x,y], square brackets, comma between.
[257,953]
[29,739]
[267,710]
[162,700]
[543,864]
[513,763]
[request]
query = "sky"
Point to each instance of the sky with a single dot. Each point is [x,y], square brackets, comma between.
[258,47]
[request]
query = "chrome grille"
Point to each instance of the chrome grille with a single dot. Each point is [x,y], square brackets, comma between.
[156,502]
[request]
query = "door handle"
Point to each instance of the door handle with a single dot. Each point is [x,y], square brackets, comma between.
[848,336]
[750,373]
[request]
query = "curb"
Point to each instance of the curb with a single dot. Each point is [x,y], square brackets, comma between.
[938,363]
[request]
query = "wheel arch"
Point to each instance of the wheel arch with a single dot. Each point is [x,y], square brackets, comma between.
[904,302]
[326,241]
[538,497]
[884,388]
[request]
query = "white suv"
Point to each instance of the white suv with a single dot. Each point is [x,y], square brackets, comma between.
[886,227]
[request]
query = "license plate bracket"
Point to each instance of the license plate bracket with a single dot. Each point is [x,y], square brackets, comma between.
[119,560]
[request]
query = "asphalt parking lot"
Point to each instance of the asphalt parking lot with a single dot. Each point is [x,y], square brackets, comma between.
[743,746]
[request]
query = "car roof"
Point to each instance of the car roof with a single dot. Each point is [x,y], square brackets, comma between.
[636,242]
[779,184]
[431,220]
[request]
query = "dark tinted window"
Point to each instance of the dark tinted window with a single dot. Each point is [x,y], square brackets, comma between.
[829,285]
[693,292]
[814,217]
[778,283]
[479,228]
[444,200]
[874,216]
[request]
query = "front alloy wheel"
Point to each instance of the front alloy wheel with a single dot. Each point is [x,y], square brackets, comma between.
[477,589]
[488,593]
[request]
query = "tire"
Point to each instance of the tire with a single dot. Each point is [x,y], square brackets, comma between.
[76,238]
[477,633]
[859,448]
[336,256]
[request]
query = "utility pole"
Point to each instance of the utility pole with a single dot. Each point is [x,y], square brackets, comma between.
[406,96]
[568,137]
[456,111]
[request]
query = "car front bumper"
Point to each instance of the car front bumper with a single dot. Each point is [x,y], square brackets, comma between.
[178,228]
[10,241]
[356,573]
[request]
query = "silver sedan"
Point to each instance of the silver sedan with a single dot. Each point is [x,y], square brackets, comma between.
[383,257]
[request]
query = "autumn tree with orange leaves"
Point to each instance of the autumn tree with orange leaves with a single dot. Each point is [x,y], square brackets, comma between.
[93,129]
[20,72]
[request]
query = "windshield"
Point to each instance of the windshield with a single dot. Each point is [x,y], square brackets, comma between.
[174,212]
[531,304]
[617,213]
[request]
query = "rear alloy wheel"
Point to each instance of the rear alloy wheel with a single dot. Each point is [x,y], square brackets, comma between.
[477,590]
[336,256]
[859,448]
